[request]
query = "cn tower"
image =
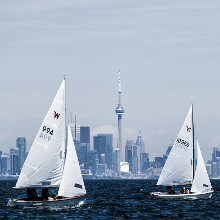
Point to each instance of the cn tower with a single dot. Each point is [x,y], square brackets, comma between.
[120,111]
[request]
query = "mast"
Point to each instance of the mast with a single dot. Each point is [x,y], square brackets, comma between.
[65,111]
[193,145]
[75,127]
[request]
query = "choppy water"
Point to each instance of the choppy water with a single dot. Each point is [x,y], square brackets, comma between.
[115,199]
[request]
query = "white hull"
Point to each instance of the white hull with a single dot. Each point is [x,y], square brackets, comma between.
[70,201]
[177,195]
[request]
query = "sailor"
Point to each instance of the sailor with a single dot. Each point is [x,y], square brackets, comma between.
[170,190]
[183,190]
[32,194]
[45,194]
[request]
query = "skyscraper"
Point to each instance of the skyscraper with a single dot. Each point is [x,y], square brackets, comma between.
[21,145]
[133,156]
[116,164]
[84,134]
[84,146]
[99,144]
[14,164]
[75,129]
[141,143]
[109,150]
[120,111]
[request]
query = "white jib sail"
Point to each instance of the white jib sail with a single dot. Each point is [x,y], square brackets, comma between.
[72,182]
[178,168]
[43,166]
[201,182]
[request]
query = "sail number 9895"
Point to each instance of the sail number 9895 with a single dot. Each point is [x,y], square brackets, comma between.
[46,133]
[180,143]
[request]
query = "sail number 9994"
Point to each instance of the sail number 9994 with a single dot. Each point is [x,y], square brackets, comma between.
[46,133]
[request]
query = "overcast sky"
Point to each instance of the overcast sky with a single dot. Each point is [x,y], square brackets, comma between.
[168,53]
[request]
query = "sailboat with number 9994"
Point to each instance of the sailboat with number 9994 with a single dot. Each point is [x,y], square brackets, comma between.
[46,165]
[179,168]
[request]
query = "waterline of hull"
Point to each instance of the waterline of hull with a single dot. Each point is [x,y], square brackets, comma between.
[70,201]
[177,195]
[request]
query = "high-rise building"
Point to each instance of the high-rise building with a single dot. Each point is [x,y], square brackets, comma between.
[4,163]
[99,144]
[128,150]
[116,161]
[102,169]
[129,153]
[133,156]
[102,161]
[14,162]
[82,151]
[21,145]
[103,144]
[108,150]
[137,154]
[83,145]
[169,148]
[215,155]
[134,165]
[215,170]
[120,111]
[160,161]
[84,134]
[145,161]
[141,144]
[93,161]
[75,129]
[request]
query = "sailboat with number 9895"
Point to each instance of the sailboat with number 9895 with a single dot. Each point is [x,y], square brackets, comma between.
[179,168]
[46,165]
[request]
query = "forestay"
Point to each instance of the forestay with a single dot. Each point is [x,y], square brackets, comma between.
[201,181]
[178,168]
[72,182]
[44,164]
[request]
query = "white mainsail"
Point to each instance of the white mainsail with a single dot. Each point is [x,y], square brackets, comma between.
[43,166]
[178,168]
[72,182]
[201,182]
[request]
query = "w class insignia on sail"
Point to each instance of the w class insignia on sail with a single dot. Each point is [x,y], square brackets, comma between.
[56,115]
[188,129]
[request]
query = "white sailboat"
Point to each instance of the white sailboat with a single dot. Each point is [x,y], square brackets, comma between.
[179,167]
[46,166]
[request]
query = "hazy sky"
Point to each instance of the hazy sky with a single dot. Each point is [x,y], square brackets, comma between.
[168,53]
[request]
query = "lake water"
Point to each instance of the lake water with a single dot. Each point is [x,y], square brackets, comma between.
[115,199]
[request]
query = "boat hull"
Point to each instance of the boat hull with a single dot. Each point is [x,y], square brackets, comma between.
[177,195]
[67,201]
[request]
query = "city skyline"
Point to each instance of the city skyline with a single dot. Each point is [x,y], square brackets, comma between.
[102,162]
[167,53]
